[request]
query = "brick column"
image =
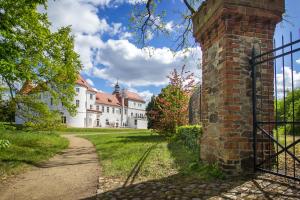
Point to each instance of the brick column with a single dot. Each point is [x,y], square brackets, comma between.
[227,30]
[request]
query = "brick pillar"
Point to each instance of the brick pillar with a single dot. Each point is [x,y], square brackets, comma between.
[227,30]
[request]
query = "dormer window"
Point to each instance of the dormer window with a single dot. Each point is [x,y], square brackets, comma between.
[109,100]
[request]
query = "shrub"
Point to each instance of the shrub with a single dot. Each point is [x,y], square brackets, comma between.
[189,135]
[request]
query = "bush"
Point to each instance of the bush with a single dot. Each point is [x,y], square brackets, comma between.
[189,135]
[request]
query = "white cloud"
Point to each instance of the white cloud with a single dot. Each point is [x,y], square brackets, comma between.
[298,61]
[90,82]
[116,58]
[288,80]
[169,26]
[81,15]
[125,35]
[137,67]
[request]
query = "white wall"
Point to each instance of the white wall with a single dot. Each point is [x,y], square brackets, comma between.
[113,118]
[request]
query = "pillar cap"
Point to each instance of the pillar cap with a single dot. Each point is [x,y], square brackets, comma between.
[211,10]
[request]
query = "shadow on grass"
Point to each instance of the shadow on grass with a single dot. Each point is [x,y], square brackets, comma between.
[137,167]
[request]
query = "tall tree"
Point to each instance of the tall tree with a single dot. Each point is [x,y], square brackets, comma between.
[33,56]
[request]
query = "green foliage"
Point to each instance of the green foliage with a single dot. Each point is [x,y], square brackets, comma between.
[4,144]
[151,107]
[286,109]
[28,148]
[37,114]
[189,135]
[171,105]
[33,56]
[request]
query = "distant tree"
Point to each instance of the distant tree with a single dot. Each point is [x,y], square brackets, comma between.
[171,108]
[7,109]
[289,111]
[150,110]
[31,55]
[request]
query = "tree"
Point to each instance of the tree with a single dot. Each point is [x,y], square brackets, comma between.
[288,109]
[147,19]
[151,110]
[33,56]
[171,108]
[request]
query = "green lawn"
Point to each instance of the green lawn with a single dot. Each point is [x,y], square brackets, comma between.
[26,149]
[94,130]
[142,155]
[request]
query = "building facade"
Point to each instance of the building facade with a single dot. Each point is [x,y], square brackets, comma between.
[122,108]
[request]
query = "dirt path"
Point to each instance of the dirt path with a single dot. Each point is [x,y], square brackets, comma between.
[72,174]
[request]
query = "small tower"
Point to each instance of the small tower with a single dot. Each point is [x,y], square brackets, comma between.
[117,88]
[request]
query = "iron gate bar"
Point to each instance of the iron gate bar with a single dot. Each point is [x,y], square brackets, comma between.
[252,61]
[281,146]
[276,49]
[279,122]
[293,100]
[279,152]
[278,56]
[260,97]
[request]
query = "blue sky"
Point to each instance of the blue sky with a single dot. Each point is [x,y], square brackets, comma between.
[109,52]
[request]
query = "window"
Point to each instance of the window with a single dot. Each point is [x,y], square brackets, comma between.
[136,115]
[77,103]
[134,104]
[106,122]
[98,122]
[91,107]
[131,114]
[125,111]
[113,110]
[120,111]
[97,107]
[77,90]
[107,109]
[91,96]
[103,109]
[135,122]
[51,101]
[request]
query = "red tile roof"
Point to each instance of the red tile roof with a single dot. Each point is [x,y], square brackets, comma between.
[82,82]
[107,99]
[134,96]
[26,88]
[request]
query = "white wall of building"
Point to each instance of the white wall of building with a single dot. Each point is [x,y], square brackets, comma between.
[87,113]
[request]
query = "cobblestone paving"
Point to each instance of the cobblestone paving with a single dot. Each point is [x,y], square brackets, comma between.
[177,188]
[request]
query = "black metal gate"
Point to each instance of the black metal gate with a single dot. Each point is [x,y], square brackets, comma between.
[276,109]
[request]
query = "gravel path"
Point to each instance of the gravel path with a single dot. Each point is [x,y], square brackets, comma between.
[72,174]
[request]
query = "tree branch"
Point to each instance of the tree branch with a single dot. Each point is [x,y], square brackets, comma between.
[192,10]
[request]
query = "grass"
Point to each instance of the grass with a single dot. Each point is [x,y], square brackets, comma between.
[144,155]
[94,130]
[27,149]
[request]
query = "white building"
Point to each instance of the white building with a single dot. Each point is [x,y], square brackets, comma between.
[98,109]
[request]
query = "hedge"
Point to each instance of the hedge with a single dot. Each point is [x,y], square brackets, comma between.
[189,135]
